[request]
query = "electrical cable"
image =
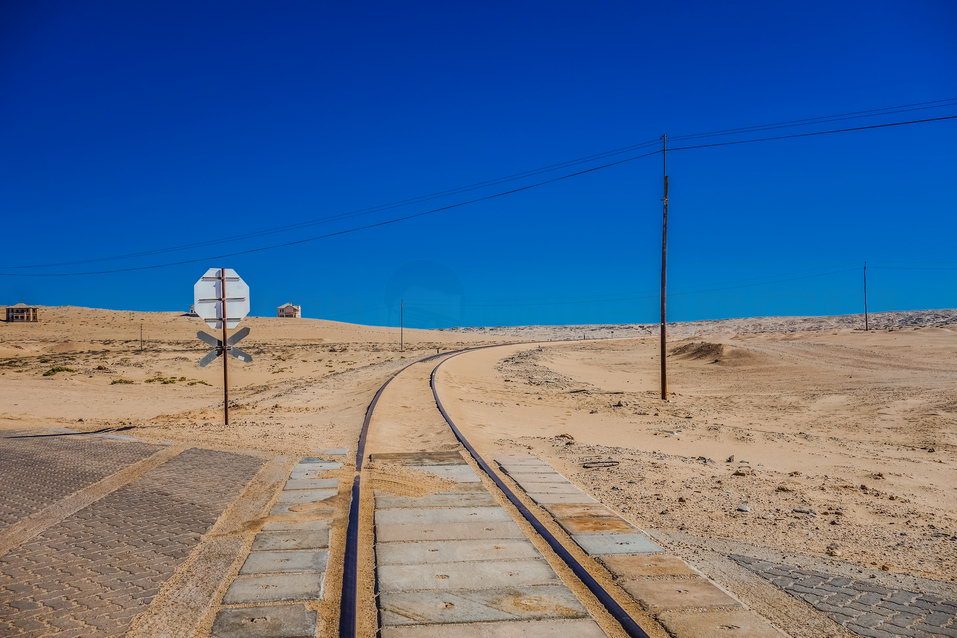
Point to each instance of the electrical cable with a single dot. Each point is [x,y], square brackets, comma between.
[479,199]
[423,198]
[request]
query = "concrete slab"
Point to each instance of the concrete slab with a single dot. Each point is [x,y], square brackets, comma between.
[628,566]
[563,487]
[314,462]
[284,621]
[307,472]
[311,484]
[677,593]
[526,466]
[597,544]
[336,451]
[564,510]
[550,499]
[289,562]
[288,526]
[295,509]
[458,473]
[274,588]
[451,551]
[418,608]
[420,458]
[437,499]
[728,624]
[427,516]
[537,477]
[596,525]
[508,629]
[305,496]
[518,459]
[300,539]
[486,574]
[447,531]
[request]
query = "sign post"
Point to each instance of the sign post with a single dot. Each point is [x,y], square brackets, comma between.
[222,311]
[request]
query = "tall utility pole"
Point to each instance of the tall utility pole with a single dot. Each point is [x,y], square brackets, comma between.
[402,326]
[866,326]
[141,337]
[222,290]
[664,268]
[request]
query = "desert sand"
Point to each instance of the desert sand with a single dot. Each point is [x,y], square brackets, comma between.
[307,387]
[831,442]
[801,434]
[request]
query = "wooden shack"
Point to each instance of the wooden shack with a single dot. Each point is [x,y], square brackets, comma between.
[22,313]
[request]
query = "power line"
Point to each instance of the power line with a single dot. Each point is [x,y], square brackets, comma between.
[491,182]
[355,213]
[346,231]
[796,135]
[889,110]
[474,200]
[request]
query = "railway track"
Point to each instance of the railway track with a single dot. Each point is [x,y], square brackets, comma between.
[350,598]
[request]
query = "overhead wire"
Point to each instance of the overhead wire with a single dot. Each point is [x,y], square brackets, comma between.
[478,199]
[345,231]
[889,110]
[491,182]
[355,213]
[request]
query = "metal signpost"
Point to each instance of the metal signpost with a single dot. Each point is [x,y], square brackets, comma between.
[222,311]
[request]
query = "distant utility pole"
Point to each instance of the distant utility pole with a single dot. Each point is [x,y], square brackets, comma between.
[866,326]
[141,337]
[402,326]
[664,268]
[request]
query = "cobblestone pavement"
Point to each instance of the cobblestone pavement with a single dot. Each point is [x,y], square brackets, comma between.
[36,471]
[864,608]
[92,573]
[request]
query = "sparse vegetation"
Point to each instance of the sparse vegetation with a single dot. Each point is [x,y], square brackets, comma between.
[197,382]
[165,380]
[121,382]
[52,371]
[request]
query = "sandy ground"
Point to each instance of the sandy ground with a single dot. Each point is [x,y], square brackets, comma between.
[833,442]
[307,387]
[837,443]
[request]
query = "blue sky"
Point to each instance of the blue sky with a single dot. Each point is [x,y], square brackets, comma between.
[130,127]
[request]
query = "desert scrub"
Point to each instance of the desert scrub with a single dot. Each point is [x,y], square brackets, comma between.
[52,371]
[165,380]
[197,382]
[120,381]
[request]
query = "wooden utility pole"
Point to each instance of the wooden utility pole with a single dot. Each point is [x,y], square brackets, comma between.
[664,268]
[222,290]
[402,326]
[866,326]
[141,337]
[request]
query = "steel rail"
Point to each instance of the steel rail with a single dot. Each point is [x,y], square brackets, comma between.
[348,597]
[608,602]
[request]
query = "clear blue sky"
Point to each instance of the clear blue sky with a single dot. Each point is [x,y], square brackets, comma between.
[132,126]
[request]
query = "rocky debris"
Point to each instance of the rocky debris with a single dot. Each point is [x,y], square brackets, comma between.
[804,510]
[744,508]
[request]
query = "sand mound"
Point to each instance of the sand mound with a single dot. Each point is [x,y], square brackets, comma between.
[700,350]
[709,352]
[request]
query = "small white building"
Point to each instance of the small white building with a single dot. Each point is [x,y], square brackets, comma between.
[290,311]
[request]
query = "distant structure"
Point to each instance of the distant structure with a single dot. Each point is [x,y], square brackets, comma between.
[289,311]
[23,313]
[192,311]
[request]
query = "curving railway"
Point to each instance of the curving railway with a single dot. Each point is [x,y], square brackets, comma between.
[610,608]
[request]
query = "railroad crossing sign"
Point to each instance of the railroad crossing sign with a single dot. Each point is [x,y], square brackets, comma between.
[221,298]
[210,304]
[218,348]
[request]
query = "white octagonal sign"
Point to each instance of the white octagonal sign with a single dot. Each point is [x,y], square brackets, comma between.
[208,298]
